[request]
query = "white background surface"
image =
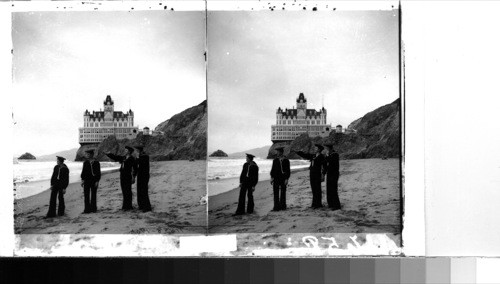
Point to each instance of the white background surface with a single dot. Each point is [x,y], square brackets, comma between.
[452,85]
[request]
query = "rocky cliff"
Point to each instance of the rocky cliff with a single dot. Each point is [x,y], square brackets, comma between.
[377,135]
[184,138]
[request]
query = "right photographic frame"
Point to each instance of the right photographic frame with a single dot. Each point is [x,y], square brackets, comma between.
[305,123]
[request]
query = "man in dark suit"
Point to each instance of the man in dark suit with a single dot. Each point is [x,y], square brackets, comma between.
[315,173]
[332,171]
[91,174]
[143,180]
[248,180]
[128,170]
[280,173]
[58,184]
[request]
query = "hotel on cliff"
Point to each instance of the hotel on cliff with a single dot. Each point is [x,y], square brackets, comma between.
[98,125]
[291,123]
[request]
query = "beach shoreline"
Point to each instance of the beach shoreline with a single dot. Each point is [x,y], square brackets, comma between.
[43,183]
[175,198]
[369,190]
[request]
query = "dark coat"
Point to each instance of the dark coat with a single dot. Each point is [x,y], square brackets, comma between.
[317,163]
[60,177]
[91,171]
[128,168]
[249,174]
[143,166]
[332,167]
[280,170]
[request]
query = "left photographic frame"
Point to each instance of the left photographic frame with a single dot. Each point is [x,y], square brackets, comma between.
[120,95]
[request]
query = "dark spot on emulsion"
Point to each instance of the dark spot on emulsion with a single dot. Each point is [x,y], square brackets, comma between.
[303,8]
[315,9]
[334,9]
[283,8]
[164,7]
[171,9]
[159,4]
[132,8]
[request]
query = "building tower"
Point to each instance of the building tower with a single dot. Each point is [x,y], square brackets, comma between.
[109,109]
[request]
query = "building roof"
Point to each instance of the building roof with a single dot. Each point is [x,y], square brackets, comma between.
[100,114]
[301,98]
[108,99]
[293,112]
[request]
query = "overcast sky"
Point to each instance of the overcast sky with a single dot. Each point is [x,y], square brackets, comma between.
[66,62]
[259,61]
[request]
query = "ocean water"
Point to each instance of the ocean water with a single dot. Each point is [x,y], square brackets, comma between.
[32,177]
[223,173]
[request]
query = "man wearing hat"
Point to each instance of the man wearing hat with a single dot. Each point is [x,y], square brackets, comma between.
[315,173]
[280,173]
[91,174]
[142,180]
[128,170]
[58,184]
[248,180]
[331,170]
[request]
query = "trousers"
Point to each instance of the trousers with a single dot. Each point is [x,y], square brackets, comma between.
[56,193]
[316,191]
[332,194]
[245,190]
[142,194]
[279,190]
[90,197]
[126,186]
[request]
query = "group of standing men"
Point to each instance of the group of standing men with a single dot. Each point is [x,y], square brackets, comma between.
[321,166]
[130,169]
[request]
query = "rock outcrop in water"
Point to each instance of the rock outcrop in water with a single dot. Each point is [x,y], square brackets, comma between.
[375,135]
[184,138]
[27,156]
[218,153]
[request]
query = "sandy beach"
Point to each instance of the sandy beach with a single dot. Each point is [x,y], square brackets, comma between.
[369,191]
[175,190]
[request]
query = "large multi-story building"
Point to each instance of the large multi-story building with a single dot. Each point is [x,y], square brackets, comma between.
[291,123]
[100,124]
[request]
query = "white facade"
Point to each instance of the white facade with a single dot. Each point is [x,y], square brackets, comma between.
[291,123]
[98,125]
